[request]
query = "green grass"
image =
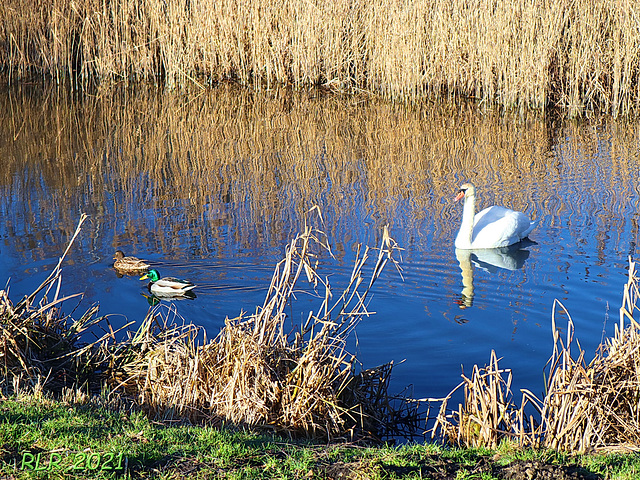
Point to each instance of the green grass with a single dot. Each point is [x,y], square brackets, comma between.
[37,424]
[33,423]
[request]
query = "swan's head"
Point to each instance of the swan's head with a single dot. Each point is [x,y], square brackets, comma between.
[466,190]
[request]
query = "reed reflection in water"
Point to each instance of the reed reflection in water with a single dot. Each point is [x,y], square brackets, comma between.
[211,185]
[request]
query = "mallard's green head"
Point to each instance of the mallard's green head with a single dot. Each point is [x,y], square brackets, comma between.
[152,275]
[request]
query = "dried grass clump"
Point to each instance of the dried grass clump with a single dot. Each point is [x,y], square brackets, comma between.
[38,342]
[586,407]
[597,406]
[255,372]
[488,412]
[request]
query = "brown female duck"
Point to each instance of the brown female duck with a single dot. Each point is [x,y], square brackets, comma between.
[129,265]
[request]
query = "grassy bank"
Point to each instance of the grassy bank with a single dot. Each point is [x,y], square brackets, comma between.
[576,55]
[38,432]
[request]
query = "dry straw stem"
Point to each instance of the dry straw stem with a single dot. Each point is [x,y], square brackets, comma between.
[586,407]
[576,54]
[255,372]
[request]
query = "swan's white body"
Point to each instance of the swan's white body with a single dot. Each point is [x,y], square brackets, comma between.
[493,227]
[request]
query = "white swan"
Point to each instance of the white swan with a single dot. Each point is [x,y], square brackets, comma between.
[493,227]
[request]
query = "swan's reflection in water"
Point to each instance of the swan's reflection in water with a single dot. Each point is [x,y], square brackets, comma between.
[489,260]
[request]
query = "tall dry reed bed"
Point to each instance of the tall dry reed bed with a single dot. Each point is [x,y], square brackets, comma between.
[258,371]
[586,407]
[575,54]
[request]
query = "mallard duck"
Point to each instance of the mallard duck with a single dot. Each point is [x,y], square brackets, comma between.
[129,265]
[167,286]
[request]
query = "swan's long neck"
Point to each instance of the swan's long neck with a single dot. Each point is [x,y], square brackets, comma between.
[463,240]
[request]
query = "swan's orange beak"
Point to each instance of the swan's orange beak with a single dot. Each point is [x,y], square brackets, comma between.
[459,196]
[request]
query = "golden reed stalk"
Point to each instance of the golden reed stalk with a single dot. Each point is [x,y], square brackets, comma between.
[574,54]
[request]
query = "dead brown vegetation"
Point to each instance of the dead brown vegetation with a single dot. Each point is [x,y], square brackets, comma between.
[586,407]
[577,55]
[37,341]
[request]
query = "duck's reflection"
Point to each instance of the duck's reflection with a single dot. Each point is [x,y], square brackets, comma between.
[490,260]
[154,299]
